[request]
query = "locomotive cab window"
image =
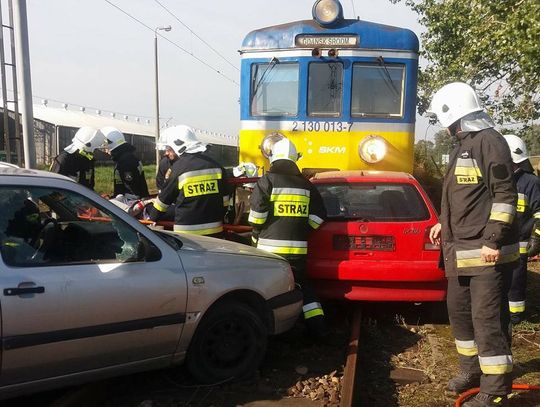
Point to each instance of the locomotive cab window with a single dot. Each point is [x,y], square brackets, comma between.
[377,90]
[274,89]
[325,87]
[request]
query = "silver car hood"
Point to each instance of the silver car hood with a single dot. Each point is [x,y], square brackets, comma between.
[213,245]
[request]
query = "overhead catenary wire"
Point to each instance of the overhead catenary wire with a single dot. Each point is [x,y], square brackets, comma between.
[173,43]
[196,35]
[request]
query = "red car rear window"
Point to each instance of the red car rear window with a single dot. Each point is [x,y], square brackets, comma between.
[374,202]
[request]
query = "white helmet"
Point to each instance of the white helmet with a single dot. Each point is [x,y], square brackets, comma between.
[86,139]
[453,102]
[284,149]
[245,169]
[182,140]
[518,149]
[113,137]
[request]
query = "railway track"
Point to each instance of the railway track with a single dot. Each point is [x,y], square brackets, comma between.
[349,393]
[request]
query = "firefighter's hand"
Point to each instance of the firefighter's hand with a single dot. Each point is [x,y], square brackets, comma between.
[533,247]
[489,255]
[435,234]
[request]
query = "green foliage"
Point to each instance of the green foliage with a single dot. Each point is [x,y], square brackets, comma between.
[492,44]
[105,178]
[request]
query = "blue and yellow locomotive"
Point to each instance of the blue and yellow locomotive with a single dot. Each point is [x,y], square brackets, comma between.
[344,91]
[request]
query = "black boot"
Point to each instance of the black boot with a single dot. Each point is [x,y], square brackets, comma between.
[463,382]
[487,400]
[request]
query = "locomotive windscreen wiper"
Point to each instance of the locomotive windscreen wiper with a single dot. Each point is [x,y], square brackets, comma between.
[271,64]
[387,78]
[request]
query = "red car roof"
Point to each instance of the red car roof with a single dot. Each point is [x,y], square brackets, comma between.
[363,176]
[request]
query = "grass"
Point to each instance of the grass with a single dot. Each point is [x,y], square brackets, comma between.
[105,178]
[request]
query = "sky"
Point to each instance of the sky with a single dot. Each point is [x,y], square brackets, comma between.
[89,53]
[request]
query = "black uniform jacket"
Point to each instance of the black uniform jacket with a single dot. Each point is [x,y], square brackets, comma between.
[528,206]
[128,172]
[285,206]
[479,204]
[79,166]
[197,188]
[163,172]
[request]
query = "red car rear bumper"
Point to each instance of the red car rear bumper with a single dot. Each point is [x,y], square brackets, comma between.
[416,281]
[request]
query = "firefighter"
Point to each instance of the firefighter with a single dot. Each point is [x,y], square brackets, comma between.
[195,186]
[284,206]
[479,244]
[164,165]
[528,215]
[77,160]
[128,169]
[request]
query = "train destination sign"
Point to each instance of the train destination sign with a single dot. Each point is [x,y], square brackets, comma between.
[306,40]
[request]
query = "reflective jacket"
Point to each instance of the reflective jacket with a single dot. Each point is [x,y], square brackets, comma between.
[128,172]
[79,166]
[285,206]
[478,204]
[528,206]
[197,188]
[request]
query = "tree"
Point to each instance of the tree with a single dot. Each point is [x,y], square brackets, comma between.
[493,45]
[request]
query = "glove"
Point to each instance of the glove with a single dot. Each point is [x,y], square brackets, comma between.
[533,247]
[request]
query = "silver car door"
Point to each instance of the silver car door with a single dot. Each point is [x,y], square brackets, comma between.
[82,297]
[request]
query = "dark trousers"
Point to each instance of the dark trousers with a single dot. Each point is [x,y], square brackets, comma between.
[312,309]
[516,294]
[478,312]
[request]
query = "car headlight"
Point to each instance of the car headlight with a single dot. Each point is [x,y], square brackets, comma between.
[327,12]
[372,149]
[268,142]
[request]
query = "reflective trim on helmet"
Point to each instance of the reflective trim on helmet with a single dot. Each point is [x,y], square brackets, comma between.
[160,206]
[516,306]
[502,212]
[257,218]
[200,229]
[466,348]
[495,364]
[471,258]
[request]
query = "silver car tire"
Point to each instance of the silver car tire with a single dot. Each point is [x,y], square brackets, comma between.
[229,344]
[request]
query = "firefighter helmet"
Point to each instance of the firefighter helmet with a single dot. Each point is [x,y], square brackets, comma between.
[518,149]
[284,149]
[182,139]
[113,138]
[453,102]
[87,139]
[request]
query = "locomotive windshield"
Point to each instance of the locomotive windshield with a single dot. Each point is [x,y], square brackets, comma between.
[274,89]
[325,87]
[377,90]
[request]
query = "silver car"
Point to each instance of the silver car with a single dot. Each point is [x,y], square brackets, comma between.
[89,292]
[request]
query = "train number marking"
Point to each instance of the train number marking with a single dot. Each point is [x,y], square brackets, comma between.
[321,126]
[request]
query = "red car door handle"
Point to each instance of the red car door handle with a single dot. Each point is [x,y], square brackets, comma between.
[24,290]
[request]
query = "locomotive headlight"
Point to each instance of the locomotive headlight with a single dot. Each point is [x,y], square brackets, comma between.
[372,149]
[268,142]
[327,12]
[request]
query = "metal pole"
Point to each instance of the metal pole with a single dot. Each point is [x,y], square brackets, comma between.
[156,84]
[17,137]
[20,27]
[7,144]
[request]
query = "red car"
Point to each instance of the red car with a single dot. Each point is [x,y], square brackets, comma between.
[375,244]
